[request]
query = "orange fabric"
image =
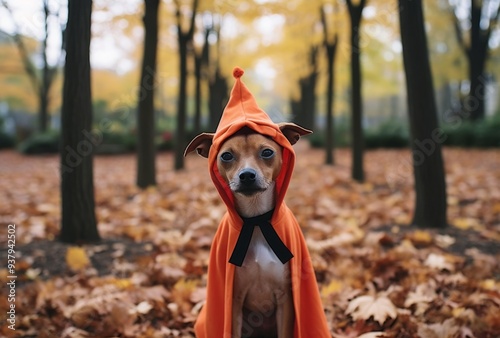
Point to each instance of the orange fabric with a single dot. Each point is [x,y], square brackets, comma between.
[214,320]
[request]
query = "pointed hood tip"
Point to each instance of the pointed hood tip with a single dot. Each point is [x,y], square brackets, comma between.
[242,109]
[238,72]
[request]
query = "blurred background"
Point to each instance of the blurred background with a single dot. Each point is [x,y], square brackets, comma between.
[415,240]
[281,46]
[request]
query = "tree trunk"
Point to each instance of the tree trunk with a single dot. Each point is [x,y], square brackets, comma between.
[308,90]
[355,13]
[306,114]
[430,187]
[43,109]
[181,106]
[146,150]
[200,64]
[184,39]
[331,49]
[77,183]
[197,94]
[46,80]
[217,99]
[476,55]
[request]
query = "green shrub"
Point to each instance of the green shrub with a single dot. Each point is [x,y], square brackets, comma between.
[395,134]
[462,136]
[117,143]
[6,141]
[317,139]
[488,133]
[389,134]
[341,137]
[483,133]
[165,142]
[41,143]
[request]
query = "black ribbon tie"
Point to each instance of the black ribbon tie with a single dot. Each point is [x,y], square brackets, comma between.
[272,238]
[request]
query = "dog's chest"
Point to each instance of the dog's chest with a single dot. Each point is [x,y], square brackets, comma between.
[262,274]
[262,256]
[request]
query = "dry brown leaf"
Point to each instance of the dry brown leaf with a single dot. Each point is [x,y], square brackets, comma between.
[143,307]
[421,297]
[360,235]
[364,307]
[375,334]
[446,329]
[438,262]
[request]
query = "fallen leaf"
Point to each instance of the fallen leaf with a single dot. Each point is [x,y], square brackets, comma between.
[33,273]
[420,238]
[77,259]
[465,223]
[143,307]
[334,287]
[364,307]
[446,329]
[374,334]
[444,241]
[438,262]
[423,295]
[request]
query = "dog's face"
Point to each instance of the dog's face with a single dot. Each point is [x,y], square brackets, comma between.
[249,163]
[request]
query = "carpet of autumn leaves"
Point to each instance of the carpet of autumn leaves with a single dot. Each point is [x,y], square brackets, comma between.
[377,276]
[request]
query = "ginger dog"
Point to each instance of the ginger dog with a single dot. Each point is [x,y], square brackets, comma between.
[260,277]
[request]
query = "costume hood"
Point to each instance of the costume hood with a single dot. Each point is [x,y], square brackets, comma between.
[214,320]
[241,112]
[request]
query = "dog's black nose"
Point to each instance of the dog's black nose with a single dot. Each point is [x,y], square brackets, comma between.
[247,176]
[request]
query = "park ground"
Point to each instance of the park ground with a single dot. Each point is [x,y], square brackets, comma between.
[377,275]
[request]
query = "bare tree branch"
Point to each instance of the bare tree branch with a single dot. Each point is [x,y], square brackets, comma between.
[458,31]
[194,9]
[29,68]
[355,10]
[493,21]
[323,22]
[178,16]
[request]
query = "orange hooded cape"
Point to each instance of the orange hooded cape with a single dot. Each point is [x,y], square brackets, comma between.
[214,320]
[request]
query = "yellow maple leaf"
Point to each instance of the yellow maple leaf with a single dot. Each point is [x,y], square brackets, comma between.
[465,223]
[185,287]
[421,237]
[77,259]
[488,284]
[122,283]
[334,287]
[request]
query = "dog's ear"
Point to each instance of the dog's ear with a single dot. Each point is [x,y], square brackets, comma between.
[201,144]
[292,131]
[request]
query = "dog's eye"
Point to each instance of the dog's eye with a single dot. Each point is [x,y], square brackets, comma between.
[267,153]
[226,157]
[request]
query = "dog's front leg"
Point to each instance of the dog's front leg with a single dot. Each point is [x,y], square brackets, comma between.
[237,314]
[285,315]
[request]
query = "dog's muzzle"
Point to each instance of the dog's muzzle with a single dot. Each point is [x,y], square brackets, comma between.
[248,182]
[247,177]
